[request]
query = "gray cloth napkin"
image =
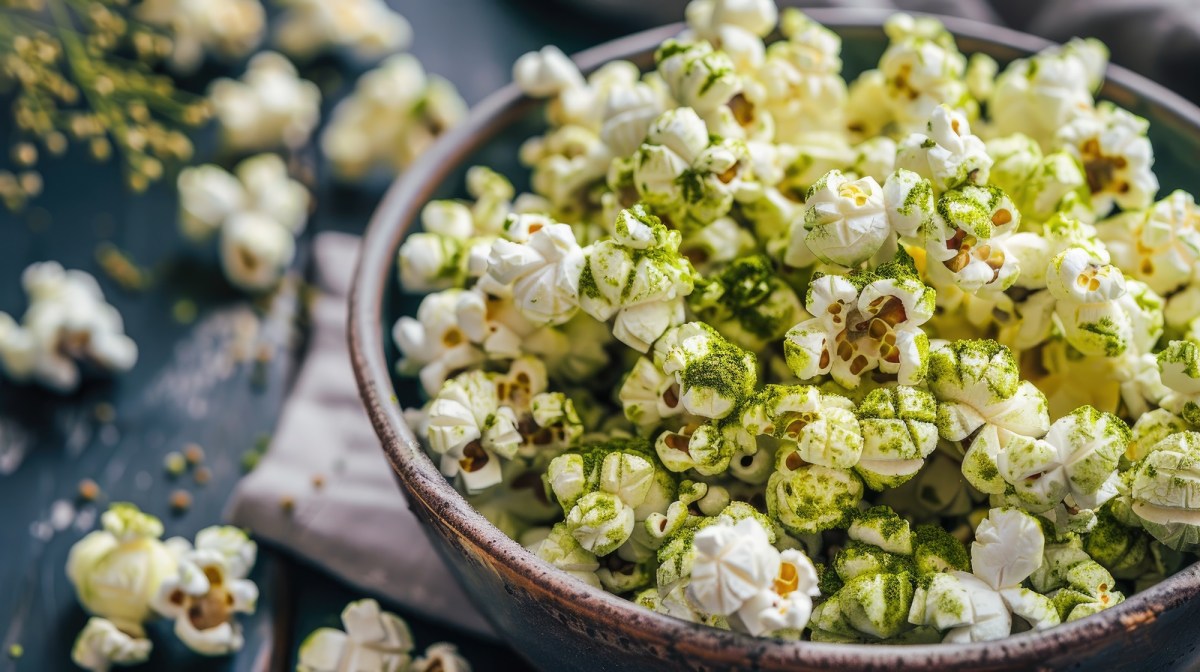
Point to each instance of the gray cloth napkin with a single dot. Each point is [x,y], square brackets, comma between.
[347,514]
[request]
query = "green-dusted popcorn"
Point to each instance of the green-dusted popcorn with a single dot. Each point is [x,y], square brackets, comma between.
[748,303]
[560,548]
[706,448]
[606,489]
[947,154]
[810,498]
[639,277]
[899,430]
[862,322]
[1163,491]
[1078,585]
[1119,548]
[1179,365]
[966,247]
[1150,429]
[1041,186]
[978,606]
[682,173]
[935,550]
[1087,293]
[1041,94]
[980,393]
[714,375]
[811,427]
[721,242]
[697,76]
[1076,461]
[880,526]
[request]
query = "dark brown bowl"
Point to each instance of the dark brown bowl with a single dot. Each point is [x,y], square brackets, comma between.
[559,623]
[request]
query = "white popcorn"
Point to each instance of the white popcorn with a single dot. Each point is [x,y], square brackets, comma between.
[68,325]
[208,195]
[100,645]
[117,571]
[845,220]
[269,107]
[1160,246]
[560,549]
[433,345]
[1116,155]
[802,87]
[372,639]
[862,325]
[1041,94]
[543,272]
[230,29]
[947,154]
[394,114]
[255,251]
[204,596]
[921,69]
[546,73]
[1087,293]
[367,28]
[1162,489]
[1179,366]
[733,26]
[697,76]
[441,657]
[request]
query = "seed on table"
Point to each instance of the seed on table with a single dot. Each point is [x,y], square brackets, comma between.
[194,453]
[203,475]
[89,490]
[181,500]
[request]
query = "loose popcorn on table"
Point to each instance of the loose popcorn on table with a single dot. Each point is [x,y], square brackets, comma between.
[366,28]
[394,114]
[67,330]
[270,107]
[230,29]
[904,360]
[257,212]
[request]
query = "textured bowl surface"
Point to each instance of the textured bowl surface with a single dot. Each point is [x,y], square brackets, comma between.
[561,624]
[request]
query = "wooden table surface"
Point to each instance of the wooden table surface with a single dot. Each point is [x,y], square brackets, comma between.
[197,382]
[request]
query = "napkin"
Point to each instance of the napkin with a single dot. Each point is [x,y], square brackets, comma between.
[324,490]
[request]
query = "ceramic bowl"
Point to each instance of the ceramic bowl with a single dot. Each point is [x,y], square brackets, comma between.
[557,622]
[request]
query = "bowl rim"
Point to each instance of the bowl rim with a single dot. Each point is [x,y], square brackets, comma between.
[422,480]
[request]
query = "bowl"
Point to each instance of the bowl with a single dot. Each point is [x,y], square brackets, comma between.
[559,623]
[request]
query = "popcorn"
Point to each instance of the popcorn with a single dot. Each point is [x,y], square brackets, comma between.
[208,195]
[100,645]
[1116,156]
[737,573]
[441,657]
[608,489]
[748,303]
[947,154]
[255,251]
[271,106]
[845,220]
[920,69]
[1160,246]
[544,272]
[116,572]
[637,276]
[956,292]
[209,589]
[372,639]
[810,426]
[862,322]
[68,325]
[978,606]
[367,28]
[230,29]
[899,431]
[697,76]
[393,115]
[1160,487]
[1041,94]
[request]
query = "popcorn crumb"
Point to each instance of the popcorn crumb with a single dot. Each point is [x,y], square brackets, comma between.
[89,490]
[181,500]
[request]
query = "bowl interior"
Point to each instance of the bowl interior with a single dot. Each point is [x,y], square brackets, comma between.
[1176,154]
[1174,132]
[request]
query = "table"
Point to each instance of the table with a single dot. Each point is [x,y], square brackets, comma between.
[197,381]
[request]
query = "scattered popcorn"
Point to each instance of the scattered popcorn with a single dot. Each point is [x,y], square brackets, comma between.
[904,360]
[101,645]
[394,114]
[67,329]
[230,29]
[366,28]
[373,640]
[269,107]
[258,211]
